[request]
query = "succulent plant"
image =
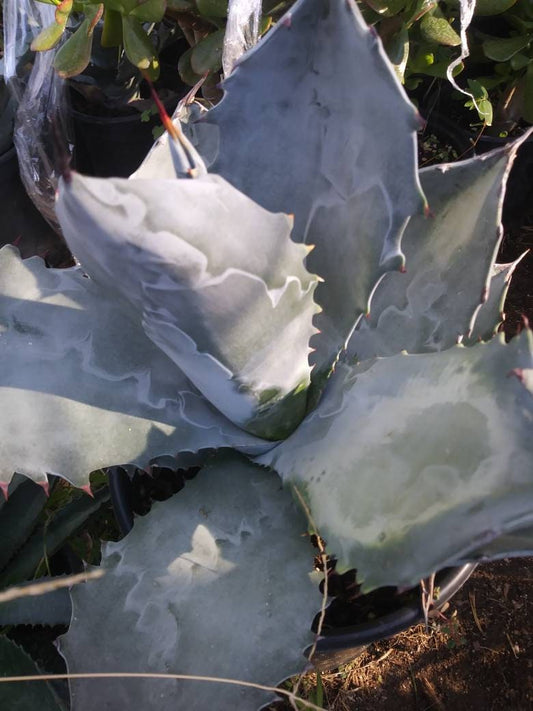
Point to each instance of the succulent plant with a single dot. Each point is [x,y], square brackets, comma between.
[275,229]
[419,36]
[506,67]
[89,31]
[123,26]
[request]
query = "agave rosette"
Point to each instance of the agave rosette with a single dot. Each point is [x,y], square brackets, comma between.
[297,303]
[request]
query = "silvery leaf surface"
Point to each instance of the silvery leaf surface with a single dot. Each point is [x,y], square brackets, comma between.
[215,581]
[517,543]
[82,387]
[314,123]
[218,283]
[491,314]
[412,449]
[52,608]
[449,258]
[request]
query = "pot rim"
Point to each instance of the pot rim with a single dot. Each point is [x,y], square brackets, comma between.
[364,633]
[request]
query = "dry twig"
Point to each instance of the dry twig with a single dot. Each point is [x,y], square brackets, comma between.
[18,591]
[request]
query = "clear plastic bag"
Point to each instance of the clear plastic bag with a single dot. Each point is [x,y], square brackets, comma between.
[40,95]
[242,31]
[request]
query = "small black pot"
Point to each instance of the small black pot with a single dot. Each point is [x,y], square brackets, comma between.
[22,223]
[115,146]
[340,646]
[110,146]
[336,646]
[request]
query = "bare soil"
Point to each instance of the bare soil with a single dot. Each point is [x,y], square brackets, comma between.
[477,657]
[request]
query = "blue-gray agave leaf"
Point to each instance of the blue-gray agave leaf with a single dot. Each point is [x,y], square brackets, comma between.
[216,581]
[518,542]
[314,123]
[449,257]
[218,283]
[14,661]
[491,314]
[49,609]
[82,387]
[410,463]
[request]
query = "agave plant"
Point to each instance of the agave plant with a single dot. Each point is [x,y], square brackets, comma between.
[227,313]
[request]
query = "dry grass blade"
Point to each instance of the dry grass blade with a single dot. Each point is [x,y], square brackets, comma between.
[428,596]
[42,588]
[324,561]
[472,598]
[179,677]
[431,693]
[374,662]
[513,646]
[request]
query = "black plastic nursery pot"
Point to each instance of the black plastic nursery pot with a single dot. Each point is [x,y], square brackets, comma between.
[22,223]
[340,645]
[347,629]
[108,146]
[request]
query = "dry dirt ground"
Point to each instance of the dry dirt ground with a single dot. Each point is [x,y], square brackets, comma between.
[479,657]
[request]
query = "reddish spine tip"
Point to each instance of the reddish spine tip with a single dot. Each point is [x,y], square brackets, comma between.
[403,270]
[87,490]
[427,211]
[525,321]
[517,373]
[287,20]
[45,486]
[5,489]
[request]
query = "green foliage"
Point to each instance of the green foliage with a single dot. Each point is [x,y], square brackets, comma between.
[33,527]
[51,35]
[493,7]
[74,55]
[126,25]
[420,38]
[21,696]
[412,30]
[480,101]
[501,67]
